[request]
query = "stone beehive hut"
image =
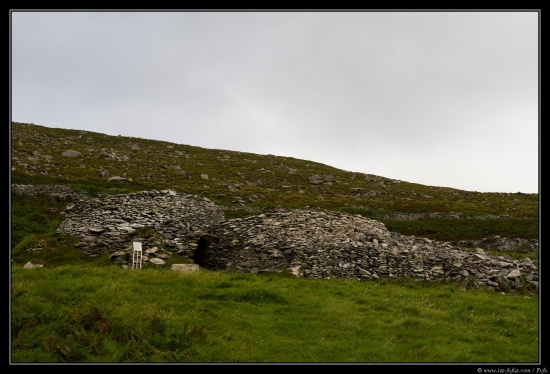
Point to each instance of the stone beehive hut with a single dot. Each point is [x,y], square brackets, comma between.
[107,223]
[323,244]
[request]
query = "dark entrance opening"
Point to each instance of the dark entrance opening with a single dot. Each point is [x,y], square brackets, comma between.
[204,255]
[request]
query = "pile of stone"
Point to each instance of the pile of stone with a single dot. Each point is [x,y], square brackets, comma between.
[323,244]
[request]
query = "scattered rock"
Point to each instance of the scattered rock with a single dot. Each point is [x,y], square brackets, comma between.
[30,265]
[71,153]
[185,267]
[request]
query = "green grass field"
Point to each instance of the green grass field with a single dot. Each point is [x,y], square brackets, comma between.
[92,314]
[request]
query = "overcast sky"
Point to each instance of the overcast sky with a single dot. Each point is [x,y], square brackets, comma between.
[448,99]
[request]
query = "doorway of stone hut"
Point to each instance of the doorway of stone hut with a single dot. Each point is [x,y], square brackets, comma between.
[204,255]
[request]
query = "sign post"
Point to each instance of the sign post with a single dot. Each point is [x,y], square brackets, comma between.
[137,255]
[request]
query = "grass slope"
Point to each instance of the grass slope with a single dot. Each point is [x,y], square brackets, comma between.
[108,314]
[246,180]
[77,309]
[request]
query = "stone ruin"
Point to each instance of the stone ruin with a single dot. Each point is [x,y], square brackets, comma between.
[111,222]
[307,243]
[323,244]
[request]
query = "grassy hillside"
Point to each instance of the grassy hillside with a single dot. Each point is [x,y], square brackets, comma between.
[77,309]
[236,178]
[245,184]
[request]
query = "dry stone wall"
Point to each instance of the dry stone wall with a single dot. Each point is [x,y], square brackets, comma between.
[51,190]
[308,243]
